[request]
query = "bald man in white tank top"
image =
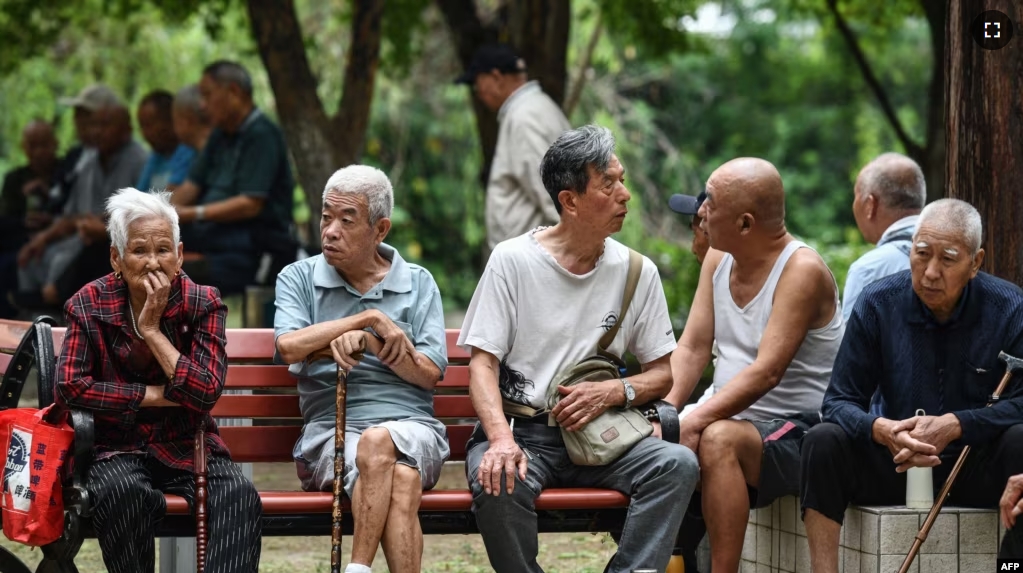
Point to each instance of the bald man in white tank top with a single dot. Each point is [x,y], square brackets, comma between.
[772,304]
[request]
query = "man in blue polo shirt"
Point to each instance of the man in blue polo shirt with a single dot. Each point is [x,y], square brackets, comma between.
[170,160]
[360,295]
[926,339]
[888,196]
[239,194]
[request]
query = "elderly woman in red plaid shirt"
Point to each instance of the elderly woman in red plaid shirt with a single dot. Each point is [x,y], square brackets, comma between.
[144,352]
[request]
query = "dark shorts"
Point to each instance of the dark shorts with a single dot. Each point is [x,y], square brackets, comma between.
[779,468]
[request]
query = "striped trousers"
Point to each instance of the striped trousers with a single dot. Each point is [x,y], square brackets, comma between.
[127,499]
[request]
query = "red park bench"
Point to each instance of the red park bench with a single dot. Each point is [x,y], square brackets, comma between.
[273,407]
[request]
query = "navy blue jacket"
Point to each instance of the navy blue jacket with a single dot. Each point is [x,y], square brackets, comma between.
[894,343]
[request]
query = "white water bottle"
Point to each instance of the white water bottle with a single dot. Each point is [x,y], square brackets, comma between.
[919,485]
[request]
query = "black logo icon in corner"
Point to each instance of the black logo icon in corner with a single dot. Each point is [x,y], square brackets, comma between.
[992,30]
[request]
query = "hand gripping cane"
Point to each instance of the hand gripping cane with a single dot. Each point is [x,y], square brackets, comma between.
[1012,365]
[339,466]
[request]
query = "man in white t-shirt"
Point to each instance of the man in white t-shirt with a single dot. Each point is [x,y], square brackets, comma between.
[771,305]
[544,301]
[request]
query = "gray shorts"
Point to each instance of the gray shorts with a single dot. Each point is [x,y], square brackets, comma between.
[420,445]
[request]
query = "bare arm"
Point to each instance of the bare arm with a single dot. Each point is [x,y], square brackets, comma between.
[298,345]
[503,458]
[693,352]
[185,194]
[239,208]
[486,395]
[412,366]
[804,293]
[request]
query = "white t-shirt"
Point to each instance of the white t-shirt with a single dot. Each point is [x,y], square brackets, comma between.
[539,318]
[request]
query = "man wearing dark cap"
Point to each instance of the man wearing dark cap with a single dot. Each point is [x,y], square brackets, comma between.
[689,205]
[529,122]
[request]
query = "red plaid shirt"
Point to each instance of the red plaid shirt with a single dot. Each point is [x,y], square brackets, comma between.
[103,368]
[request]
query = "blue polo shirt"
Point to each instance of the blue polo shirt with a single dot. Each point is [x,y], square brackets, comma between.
[889,257]
[310,291]
[163,170]
[894,344]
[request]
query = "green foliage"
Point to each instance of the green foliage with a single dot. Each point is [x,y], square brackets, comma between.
[652,26]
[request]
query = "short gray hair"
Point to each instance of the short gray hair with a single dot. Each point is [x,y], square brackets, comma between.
[188,98]
[897,181]
[367,181]
[226,72]
[566,163]
[128,205]
[955,217]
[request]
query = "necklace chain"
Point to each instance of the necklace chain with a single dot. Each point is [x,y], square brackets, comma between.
[131,313]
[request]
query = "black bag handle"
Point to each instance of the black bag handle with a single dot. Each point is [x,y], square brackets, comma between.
[35,348]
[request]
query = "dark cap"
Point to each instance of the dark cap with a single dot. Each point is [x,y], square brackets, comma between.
[500,57]
[687,204]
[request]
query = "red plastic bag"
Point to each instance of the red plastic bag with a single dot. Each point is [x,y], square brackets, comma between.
[31,496]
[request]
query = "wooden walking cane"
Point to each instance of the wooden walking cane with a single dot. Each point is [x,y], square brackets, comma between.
[1012,365]
[339,465]
[201,533]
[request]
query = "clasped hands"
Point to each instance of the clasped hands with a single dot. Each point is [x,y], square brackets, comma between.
[389,344]
[918,441]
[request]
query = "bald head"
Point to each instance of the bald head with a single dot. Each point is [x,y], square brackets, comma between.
[896,180]
[40,146]
[750,185]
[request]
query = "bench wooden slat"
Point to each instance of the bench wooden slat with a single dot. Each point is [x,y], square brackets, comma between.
[258,344]
[248,376]
[292,502]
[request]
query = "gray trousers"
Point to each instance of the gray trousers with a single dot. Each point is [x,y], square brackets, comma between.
[659,476]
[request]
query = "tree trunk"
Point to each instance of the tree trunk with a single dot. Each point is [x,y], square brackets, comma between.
[319,145]
[538,29]
[985,132]
[932,160]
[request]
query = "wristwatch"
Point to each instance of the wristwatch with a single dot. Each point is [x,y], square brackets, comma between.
[630,392]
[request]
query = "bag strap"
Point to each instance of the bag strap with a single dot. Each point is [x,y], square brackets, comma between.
[35,349]
[631,280]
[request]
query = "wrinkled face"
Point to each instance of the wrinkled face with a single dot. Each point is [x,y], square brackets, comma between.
[157,129]
[701,241]
[488,88]
[941,265]
[150,248]
[219,101]
[40,147]
[347,236]
[605,203]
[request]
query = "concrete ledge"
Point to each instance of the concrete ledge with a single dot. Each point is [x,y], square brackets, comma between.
[874,540]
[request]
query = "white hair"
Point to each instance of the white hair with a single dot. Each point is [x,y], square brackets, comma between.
[896,179]
[367,181]
[955,217]
[129,205]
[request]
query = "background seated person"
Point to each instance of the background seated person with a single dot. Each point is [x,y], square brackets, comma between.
[359,295]
[929,339]
[144,351]
[771,304]
[23,202]
[168,164]
[238,198]
[74,249]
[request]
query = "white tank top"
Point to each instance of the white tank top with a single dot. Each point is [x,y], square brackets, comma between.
[738,332]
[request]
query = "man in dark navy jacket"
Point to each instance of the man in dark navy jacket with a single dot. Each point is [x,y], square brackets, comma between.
[927,339]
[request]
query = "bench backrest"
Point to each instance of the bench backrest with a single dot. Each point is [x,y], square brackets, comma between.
[272,404]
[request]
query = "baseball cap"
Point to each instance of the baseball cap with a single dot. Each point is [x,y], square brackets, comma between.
[92,98]
[500,57]
[687,204]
